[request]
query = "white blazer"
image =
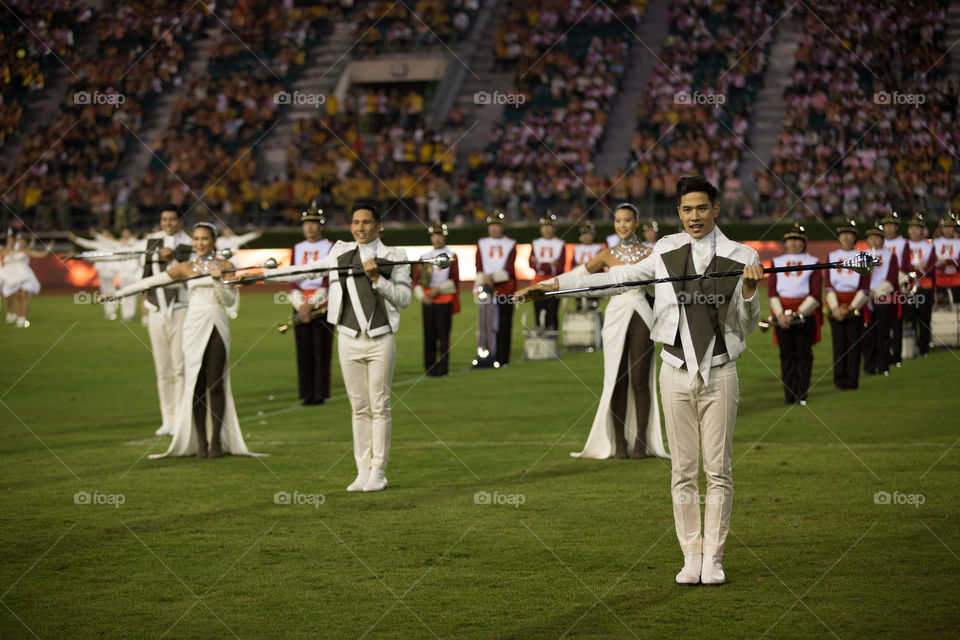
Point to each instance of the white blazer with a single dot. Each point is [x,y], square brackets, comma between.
[741,315]
[395,291]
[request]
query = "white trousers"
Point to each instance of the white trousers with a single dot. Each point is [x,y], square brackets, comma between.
[367,365]
[165,339]
[701,418]
[108,287]
[128,305]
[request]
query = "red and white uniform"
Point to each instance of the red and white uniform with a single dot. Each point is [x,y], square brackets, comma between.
[899,246]
[497,257]
[314,290]
[883,279]
[846,286]
[547,258]
[797,291]
[446,281]
[584,253]
[923,261]
[948,273]
[613,240]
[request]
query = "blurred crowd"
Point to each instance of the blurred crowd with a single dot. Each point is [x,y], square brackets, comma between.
[871,123]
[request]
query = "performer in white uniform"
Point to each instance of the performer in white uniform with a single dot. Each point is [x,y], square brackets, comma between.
[205,423]
[701,324]
[168,308]
[19,280]
[128,271]
[846,293]
[106,269]
[365,306]
[627,422]
[947,250]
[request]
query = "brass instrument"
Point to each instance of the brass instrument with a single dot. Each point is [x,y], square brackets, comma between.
[795,317]
[850,311]
[295,321]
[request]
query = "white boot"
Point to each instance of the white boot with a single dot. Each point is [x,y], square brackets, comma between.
[377,480]
[690,574]
[362,476]
[712,572]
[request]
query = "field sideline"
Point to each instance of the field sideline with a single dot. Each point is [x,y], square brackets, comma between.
[189,548]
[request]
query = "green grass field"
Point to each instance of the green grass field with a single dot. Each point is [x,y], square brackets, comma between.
[200,548]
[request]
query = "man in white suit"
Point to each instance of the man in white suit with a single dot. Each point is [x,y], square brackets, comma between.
[701,324]
[364,304]
[168,307]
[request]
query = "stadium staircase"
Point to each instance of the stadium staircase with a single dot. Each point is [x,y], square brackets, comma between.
[42,108]
[766,115]
[136,159]
[615,152]
[952,36]
[326,61]
[481,76]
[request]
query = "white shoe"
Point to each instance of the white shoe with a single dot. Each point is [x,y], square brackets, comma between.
[357,485]
[712,571]
[22,322]
[803,403]
[11,318]
[690,574]
[163,431]
[376,482]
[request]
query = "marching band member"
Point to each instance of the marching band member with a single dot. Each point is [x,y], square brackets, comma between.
[627,422]
[439,291]
[19,280]
[846,293]
[898,244]
[547,259]
[312,333]
[496,263]
[881,307]
[701,324]
[365,307]
[947,250]
[650,230]
[128,271]
[583,253]
[922,261]
[168,308]
[205,422]
[106,269]
[795,309]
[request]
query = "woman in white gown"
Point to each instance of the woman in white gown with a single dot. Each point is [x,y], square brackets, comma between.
[627,423]
[19,280]
[206,421]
